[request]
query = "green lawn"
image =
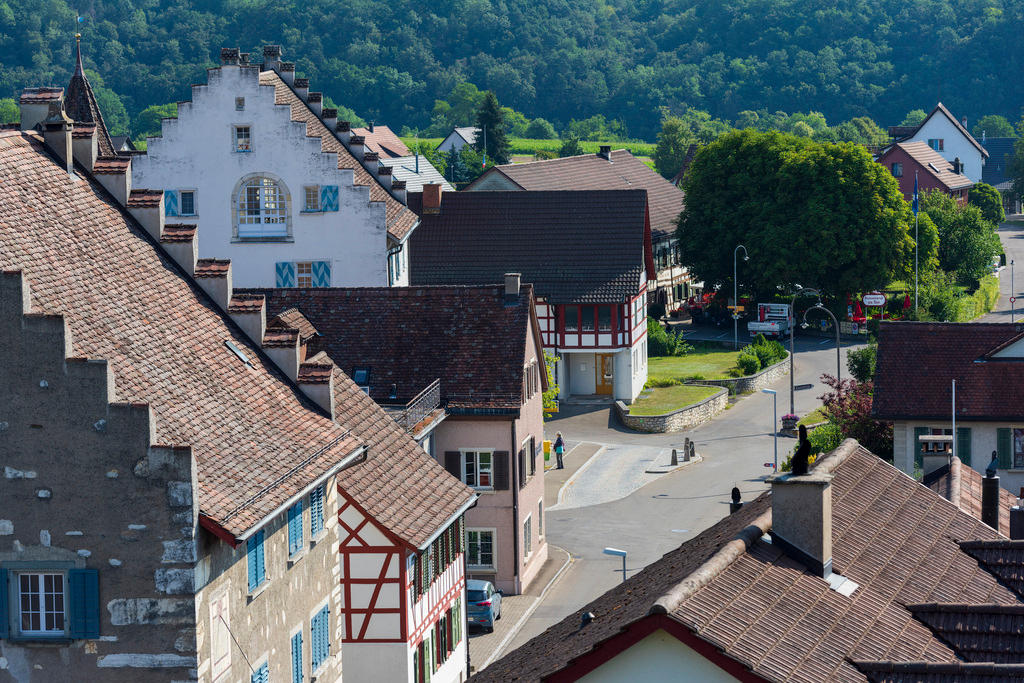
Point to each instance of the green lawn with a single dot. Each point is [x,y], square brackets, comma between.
[814,418]
[713,363]
[663,400]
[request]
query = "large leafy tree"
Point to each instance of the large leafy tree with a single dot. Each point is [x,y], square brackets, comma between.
[987,198]
[967,242]
[673,141]
[993,126]
[492,138]
[817,214]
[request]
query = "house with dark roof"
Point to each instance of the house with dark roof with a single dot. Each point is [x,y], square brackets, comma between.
[461,368]
[295,197]
[611,170]
[947,136]
[910,161]
[916,368]
[852,572]
[587,255]
[186,496]
[997,170]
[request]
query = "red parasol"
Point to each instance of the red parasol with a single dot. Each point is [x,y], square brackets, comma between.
[906,302]
[857,312]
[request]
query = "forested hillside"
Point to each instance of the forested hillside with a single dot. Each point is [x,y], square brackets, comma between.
[389,60]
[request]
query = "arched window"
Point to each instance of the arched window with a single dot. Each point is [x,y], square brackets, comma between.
[261,208]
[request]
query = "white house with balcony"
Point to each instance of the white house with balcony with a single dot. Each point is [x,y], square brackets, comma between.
[283,189]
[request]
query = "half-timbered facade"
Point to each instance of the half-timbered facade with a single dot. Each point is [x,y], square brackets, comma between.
[470,397]
[587,254]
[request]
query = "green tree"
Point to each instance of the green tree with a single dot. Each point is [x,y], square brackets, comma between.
[472,161]
[9,112]
[539,129]
[114,113]
[1015,165]
[597,128]
[148,122]
[673,141]
[914,117]
[492,139]
[550,397]
[808,212]
[861,362]
[458,172]
[464,101]
[571,147]
[967,242]
[987,198]
[993,126]
[515,123]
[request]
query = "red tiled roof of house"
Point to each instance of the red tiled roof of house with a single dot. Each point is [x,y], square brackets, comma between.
[400,220]
[588,246]
[762,610]
[1003,558]
[594,172]
[257,441]
[961,485]
[409,336]
[918,361]
[40,95]
[292,317]
[383,141]
[212,267]
[112,165]
[177,232]
[144,199]
[932,162]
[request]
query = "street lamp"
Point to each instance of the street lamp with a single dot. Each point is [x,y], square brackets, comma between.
[736,296]
[792,351]
[819,307]
[618,553]
[775,422]
[1013,297]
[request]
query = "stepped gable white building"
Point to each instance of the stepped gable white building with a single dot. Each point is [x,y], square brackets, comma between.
[284,188]
[271,522]
[949,137]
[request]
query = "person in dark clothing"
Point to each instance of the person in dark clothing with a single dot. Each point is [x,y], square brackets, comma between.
[559,450]
[803,453]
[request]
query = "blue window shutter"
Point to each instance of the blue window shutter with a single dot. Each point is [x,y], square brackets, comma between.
[5,618]
[316,511]
[261,569]
[285,274]
[321,273]
[262,674]
[84,603]
[295,528]
[297,658]
[319,633]
[250,558]
[328,197]
[170,202]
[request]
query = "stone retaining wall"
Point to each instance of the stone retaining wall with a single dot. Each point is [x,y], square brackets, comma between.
[685,418]
[750,383]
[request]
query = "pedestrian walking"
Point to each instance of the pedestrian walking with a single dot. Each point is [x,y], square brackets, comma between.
[559,449]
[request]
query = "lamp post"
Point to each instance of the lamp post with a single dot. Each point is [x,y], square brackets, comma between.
[736,296]
[775,423]
[1013,296]
[792,351]
[618,553]
[819,307]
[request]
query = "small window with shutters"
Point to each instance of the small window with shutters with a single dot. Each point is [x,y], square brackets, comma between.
[316,511]
[50,603]
[297,672]
[295,529]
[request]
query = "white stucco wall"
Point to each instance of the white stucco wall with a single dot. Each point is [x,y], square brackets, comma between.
[197,152]
[955,144]
[582,371]
[658,657]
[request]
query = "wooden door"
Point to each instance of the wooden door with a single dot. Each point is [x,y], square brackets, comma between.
[605,373]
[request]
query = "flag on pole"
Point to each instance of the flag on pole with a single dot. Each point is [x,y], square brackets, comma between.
[916,204]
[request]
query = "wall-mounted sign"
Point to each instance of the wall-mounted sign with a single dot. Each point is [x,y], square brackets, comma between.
[874,299]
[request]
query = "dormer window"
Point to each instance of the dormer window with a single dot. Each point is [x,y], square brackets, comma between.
[243,139]
[361,376]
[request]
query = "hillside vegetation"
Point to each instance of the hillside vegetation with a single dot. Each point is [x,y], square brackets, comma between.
[551,58]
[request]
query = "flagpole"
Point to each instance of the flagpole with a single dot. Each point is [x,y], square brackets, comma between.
[917,208]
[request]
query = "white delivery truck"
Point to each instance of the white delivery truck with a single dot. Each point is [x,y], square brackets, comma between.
[773,320]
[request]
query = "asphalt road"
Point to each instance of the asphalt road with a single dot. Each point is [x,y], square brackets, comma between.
[662,514]
[1012,236]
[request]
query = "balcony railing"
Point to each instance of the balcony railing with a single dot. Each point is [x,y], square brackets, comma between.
[426,402]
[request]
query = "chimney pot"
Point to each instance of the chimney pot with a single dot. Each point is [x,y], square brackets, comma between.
[371,126]
[432,198]
[512,283]
[57,133]
[1017,523]
[963,121]
[606,152]
[802,518]
[990,501]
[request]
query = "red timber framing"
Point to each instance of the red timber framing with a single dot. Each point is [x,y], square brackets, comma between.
[596,326]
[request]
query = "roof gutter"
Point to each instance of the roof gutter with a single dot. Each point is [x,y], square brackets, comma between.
[349,459]
[458,513]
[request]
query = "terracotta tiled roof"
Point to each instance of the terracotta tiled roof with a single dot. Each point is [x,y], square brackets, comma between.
[40,95]
[594,172]
[80,104]
[917,362]
[212,267]
[978,633]
[400,220]
[83,130]
[932,162]
[144,199]
[110,165]
[588,246]
[292,317]
[409,336]
[759,607]
[904,132]
[945,672]
[245,303]
[315,373]
[383,141]
[281,337]
[961,485]
[128,304]
[177,232]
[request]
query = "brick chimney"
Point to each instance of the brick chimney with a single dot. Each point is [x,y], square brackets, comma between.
[330,118]
[272,57]
[229,56]
[802,518]
[301,86]
[287,72]
[432,198]
[605,152]
[384,175]
[315,100]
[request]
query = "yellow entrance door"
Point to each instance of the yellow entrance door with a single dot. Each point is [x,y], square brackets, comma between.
[605,373]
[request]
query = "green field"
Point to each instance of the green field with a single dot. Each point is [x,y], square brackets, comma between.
[528,146]
[709,363]
[663,400]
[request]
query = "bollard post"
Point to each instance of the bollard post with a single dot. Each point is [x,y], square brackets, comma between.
[675,458]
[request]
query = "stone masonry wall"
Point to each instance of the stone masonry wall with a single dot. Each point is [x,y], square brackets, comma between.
[678,420]
[751,383]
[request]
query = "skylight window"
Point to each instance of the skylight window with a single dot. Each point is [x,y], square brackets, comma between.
[361,376]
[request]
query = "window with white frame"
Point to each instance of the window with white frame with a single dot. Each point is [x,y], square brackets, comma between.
[312,195]
[480,548]
[527,537]
[262,208]
[477,469]
[41,604]
[187,202]
[938,144]
[243,138]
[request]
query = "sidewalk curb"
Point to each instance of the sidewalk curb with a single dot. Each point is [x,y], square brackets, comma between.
[514,631]
[572,480]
